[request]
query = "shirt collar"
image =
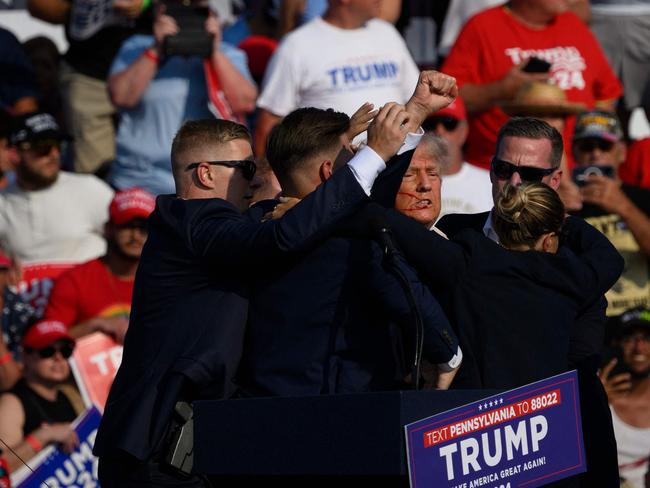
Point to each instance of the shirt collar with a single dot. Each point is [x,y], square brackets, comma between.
[488,229]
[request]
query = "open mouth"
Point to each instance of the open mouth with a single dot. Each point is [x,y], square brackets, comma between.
[421,204]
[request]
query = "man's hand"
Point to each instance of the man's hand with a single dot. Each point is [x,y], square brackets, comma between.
[360,120]
[617,386]
[433,92]
[113,326]
[515,78]
[128,8]
[387,131]
[605,193]
[163,26]
[445,378]
[60,433]
[286,204]
[213,28]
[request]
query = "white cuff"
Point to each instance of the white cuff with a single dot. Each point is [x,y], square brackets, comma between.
[453,363]
[366,166]
[411,141]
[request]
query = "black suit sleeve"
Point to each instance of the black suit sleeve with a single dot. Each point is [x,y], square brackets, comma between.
[602,261]
[440,342]
[440,260]
[227,237]
[387,184]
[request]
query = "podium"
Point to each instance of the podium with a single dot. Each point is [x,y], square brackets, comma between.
[313,441]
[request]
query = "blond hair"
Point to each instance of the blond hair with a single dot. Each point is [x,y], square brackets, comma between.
[524,213]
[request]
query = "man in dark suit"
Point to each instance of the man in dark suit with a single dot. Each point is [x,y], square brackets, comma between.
[529,149]
[190,295]
[319,322]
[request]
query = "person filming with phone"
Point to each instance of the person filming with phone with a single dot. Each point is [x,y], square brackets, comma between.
[627,381]
[183,72]
[618,210]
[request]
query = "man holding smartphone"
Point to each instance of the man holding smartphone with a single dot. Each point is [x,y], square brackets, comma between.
[619,211]
[627,382]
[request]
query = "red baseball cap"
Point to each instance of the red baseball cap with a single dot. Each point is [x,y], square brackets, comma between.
[44,333]
[131,204]
[5,261]
[455,109]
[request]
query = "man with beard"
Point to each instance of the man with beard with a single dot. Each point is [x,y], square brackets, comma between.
[96,295]
[46,215]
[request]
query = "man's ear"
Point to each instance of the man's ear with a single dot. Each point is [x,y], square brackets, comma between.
[556,179]
[204,176]
[326,169]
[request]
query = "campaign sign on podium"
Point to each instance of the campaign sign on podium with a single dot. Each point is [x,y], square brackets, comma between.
[526,437]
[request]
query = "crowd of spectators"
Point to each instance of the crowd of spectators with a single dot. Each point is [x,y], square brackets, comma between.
[86,138]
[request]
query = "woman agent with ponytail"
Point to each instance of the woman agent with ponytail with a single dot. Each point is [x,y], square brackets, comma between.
[513,303]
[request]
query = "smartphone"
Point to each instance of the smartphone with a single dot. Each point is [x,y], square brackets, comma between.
[536,65]
[582,173]
[191,40]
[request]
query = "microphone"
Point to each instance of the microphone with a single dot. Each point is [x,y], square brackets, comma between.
[379,227]
[382,231]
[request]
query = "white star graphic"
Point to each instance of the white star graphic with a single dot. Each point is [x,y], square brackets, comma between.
[491,403]
[501,400]
[480,407]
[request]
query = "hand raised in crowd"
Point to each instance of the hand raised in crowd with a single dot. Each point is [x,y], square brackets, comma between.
[130,9]
[516,77]
[115,327]
[60,433]
[387,131]
[360,120]
[163,26]
[616,386]
[213,27]
[606,193]
[433,92]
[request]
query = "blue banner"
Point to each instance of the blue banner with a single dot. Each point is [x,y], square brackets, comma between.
[53,467]
[526,437]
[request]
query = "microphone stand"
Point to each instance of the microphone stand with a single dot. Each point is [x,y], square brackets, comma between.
[391,254]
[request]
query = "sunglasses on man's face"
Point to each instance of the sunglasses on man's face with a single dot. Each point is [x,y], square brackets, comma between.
[49,351]
[449,123]
[247,166]
[42,148]
[135,224]
[504,170]
[589,145]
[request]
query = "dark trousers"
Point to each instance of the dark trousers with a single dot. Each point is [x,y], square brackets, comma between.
[125,471]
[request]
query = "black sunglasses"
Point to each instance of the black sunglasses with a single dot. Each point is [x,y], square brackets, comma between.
[137,223]
[588,145]
[49,351]
[42,148]
[504,171]
[449,123]
[247,166]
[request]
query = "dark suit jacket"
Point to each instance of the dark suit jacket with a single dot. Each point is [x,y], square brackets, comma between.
[190,304]
[585,345]
[323,321]
[320,324]
[588,330]
[514,310]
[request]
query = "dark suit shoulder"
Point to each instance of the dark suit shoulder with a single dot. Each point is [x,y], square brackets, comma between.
[452,224]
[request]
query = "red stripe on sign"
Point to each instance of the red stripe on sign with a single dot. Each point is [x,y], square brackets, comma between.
[494,417]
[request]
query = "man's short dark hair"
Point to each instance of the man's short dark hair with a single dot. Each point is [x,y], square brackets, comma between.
[532,128]
[195,133]
[302,134]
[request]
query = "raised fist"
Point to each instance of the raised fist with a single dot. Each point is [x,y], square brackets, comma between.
[433,92]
